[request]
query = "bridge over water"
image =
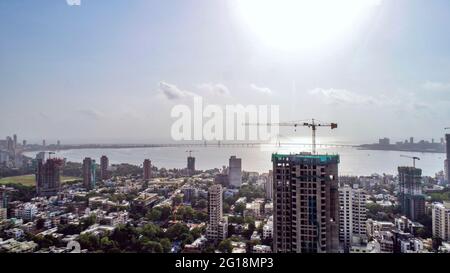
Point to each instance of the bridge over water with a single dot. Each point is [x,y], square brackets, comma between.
[187,145]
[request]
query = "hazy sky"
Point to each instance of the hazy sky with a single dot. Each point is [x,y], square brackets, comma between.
[112,70]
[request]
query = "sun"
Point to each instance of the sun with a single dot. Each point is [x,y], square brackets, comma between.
[299,24]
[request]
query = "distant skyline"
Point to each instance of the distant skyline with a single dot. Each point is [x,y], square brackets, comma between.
[111,71]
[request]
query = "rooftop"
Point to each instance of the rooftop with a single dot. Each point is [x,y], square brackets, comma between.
[322,159]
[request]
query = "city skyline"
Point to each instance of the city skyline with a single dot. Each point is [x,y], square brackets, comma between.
[225,127]
[116,71]
[310,208]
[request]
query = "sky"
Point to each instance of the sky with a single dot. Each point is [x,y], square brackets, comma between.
[111,71]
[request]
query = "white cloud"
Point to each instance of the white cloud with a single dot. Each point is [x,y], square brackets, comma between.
[342,96]
[214,88]
[436,86]
[92,113]
[73,2]
[130,112]
[263,90]
[172,92]
[404,103]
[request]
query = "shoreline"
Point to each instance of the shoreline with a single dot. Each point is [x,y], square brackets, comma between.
[401,150]
[225,145]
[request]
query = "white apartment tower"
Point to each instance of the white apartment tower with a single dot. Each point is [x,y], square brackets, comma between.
[217,229]
[352,214]
[441,220]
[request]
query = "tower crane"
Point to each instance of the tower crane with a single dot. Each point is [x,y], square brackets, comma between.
[313,125]
[414,158]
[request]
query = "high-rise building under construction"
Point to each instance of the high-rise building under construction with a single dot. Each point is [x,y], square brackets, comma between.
[191,165]
[89,173]
[48,175]
[306,203]
[412,201]
[447,160]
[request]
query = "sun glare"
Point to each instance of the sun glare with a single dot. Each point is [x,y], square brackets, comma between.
[297,24]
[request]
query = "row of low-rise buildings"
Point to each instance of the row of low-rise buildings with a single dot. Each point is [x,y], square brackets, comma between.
[44,216]
[25,211]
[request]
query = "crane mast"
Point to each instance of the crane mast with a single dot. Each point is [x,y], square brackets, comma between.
[414,158]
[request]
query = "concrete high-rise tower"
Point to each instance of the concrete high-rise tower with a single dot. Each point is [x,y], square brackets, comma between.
[89,173]
[4,200]
[48,176]
[235,171]
[447,161]
[10,145]
[191,165]
[306,203]
[15,141]
[104,163]
[412,201]
[446,171]
[269,186]
[217,228]
[147,169]
[4,196]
